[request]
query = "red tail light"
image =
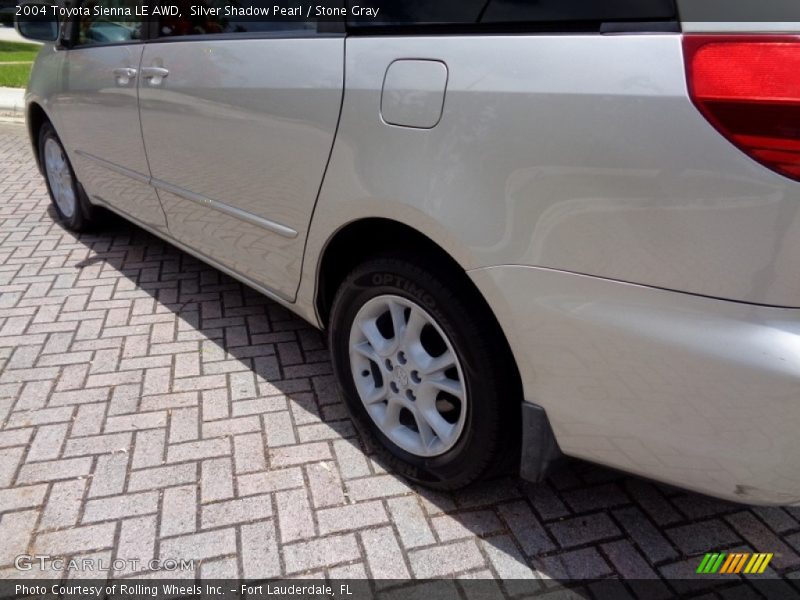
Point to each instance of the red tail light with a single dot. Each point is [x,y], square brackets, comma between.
[748,87]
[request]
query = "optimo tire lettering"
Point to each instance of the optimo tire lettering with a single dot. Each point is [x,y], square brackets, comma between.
[387,279]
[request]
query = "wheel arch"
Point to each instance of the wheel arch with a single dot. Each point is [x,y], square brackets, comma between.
[344,251]
[36,117]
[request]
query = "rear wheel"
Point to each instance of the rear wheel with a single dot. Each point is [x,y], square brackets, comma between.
[421,365]
[71,205]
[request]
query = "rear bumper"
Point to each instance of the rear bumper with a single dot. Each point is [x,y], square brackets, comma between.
[697,392]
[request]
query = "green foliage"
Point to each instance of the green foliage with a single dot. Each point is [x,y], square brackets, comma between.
[15,75]
[21,57]
[18,51]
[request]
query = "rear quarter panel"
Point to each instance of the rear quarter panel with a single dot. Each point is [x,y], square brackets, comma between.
[580,153]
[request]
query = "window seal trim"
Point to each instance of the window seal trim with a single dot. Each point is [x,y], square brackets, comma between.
[540,28]
[264,35]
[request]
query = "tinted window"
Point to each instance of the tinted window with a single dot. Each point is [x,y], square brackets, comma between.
[510,12]
[108,22]
[577,10]
[741,11]
[207,17]
[420,12]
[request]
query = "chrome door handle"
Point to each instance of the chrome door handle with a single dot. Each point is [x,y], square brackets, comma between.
[124,75]
[155,75]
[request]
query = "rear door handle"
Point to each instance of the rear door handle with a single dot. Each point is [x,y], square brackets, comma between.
[124,75]
[155,75]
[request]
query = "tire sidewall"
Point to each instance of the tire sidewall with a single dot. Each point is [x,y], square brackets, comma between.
[460,463]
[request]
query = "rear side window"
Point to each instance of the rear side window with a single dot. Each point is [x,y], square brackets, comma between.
[491,14]
[742,11]
[511,11]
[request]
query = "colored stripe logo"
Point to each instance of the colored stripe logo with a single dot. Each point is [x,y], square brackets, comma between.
[734,563]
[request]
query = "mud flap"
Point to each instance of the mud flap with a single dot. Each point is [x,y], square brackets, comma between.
[540,451]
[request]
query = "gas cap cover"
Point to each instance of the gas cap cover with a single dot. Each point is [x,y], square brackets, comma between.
[413,93]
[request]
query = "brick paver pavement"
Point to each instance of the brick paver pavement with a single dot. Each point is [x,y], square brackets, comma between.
[152,407]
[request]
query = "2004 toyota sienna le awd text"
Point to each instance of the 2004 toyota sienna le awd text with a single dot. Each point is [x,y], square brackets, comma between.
[529,228]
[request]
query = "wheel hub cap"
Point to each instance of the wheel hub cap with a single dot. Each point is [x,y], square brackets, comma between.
[402,378]
[408,375]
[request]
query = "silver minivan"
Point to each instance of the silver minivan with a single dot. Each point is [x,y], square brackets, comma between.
[530,229]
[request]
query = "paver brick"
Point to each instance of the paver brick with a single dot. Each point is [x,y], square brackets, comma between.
[184,425]
[34,395]
[260,552]
[279,429]
[242,510]
[65,468]
[67,542]
[89,420]
[628,562]
[248,453]
[47,442]
[136,422]
[325,485]
[63,505]
[137,542]
[352,516]
[109,475]
[179,510]
[411,522]
[162,477]
[149,448]
[98,444]
[79,397]
[15,437]
[166,401]
[259,406]
[16,531]
[295,518]
[379,486]
[222,568]
[445,559]
[326,431]
[200,546]
[384,556]
[465,525]
[297,455]
[198,450]
[507,559]
[759,536]
[698,537]
[270,481]
[128,505]
[40,417]
[216,479]
[645,534]
[329,551]
[576,564]
[585,529]
[212,429]
[526,528]
[22,497]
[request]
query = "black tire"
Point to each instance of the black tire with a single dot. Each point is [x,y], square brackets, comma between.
[488,444]
[85,215]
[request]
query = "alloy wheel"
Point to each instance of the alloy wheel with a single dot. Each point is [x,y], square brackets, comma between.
[408,375]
